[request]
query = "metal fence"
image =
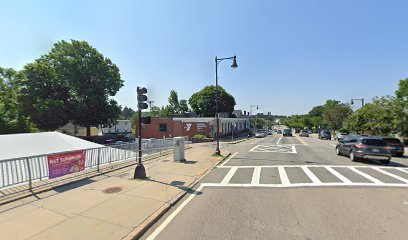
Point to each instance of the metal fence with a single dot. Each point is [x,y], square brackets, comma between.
[26,170]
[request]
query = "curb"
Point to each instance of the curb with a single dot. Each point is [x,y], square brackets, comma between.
[137,232]
[239,141]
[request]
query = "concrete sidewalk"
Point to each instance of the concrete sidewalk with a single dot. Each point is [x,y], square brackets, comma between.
[109,206]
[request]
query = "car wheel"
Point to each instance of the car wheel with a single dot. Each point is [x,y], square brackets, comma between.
[338,151]
[352,157]
[385,162]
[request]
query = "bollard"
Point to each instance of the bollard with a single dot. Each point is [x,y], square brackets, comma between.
[178,146]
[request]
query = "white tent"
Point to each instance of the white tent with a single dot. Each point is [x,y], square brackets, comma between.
[32,144]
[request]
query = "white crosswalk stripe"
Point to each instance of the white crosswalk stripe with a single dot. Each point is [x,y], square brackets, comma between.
[384,176]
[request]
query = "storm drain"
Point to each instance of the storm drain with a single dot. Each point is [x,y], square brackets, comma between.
[112,190]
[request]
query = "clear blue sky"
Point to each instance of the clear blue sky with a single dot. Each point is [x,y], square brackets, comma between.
[292,55]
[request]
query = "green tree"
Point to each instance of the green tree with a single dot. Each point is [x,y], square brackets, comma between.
[174,102]
[155,112]
[203,102]
[401,111]
[258,122]
[335,114]
[127,112]
[183,106]
[371,118]
[12,119]
[73,82]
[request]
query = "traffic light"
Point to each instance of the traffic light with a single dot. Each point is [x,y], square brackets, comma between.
[141,98]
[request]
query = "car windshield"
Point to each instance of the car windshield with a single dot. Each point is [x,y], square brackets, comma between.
[374,142]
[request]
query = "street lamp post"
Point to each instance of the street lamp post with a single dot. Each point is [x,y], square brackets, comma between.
[358,99]
[234,65]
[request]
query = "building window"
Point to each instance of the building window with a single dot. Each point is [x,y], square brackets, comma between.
[163,127]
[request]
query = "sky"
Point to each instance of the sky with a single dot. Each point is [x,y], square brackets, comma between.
[292,55]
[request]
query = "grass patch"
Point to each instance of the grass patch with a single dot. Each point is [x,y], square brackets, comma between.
[217,155]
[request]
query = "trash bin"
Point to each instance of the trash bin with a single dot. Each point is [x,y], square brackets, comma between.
[179,149]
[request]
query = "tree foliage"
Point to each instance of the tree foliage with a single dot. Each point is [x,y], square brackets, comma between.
[203,102]
[127,112]
[335,114]
[12,118]
[73,82]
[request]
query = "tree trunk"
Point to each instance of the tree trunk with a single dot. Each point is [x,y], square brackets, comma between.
[88,131]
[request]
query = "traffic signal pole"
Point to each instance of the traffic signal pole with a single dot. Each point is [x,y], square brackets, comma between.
[140,171]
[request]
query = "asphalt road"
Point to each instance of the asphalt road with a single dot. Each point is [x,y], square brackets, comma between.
[292,188]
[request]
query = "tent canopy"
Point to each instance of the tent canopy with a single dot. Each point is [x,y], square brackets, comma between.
[33,144]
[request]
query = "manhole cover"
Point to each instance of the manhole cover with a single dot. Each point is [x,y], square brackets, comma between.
[112,190]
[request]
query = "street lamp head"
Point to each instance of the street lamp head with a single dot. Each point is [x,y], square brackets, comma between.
[234,62]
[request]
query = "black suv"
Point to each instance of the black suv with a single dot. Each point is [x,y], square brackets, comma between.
[396,146]
[364,147]
[325,134]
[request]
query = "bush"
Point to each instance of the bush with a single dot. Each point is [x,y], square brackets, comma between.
[199,137]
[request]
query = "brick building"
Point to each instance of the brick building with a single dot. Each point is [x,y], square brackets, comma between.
[174,127]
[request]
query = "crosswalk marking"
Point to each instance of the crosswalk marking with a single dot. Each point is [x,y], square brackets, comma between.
[338,175]
[391,175]
[256,176]
[283,176]
[315,180]
[229,175]
[403,170]
[372,179]
[311,175]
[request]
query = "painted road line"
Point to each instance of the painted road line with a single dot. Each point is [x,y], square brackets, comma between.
[256,175]
[230,157]
[338,175]
[403,170]
[314,165]
[256,141]
[229,175]
[311,175]
[294,149]
[173,214]
[283,176]
[295,185]
[280,138]
[301,140]
[334,145]
[391,175]
[372,179]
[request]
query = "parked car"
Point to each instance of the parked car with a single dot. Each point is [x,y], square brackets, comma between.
[396,146]
[269,132]
[279,132]
[340,135]
[364,147]
[287,132]
[325,134]
[260,135]
[304,133]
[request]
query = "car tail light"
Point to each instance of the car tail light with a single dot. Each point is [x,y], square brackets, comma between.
[360,145]
[387,148]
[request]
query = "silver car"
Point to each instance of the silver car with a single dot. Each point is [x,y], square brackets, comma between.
[260,135]
[304,133]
